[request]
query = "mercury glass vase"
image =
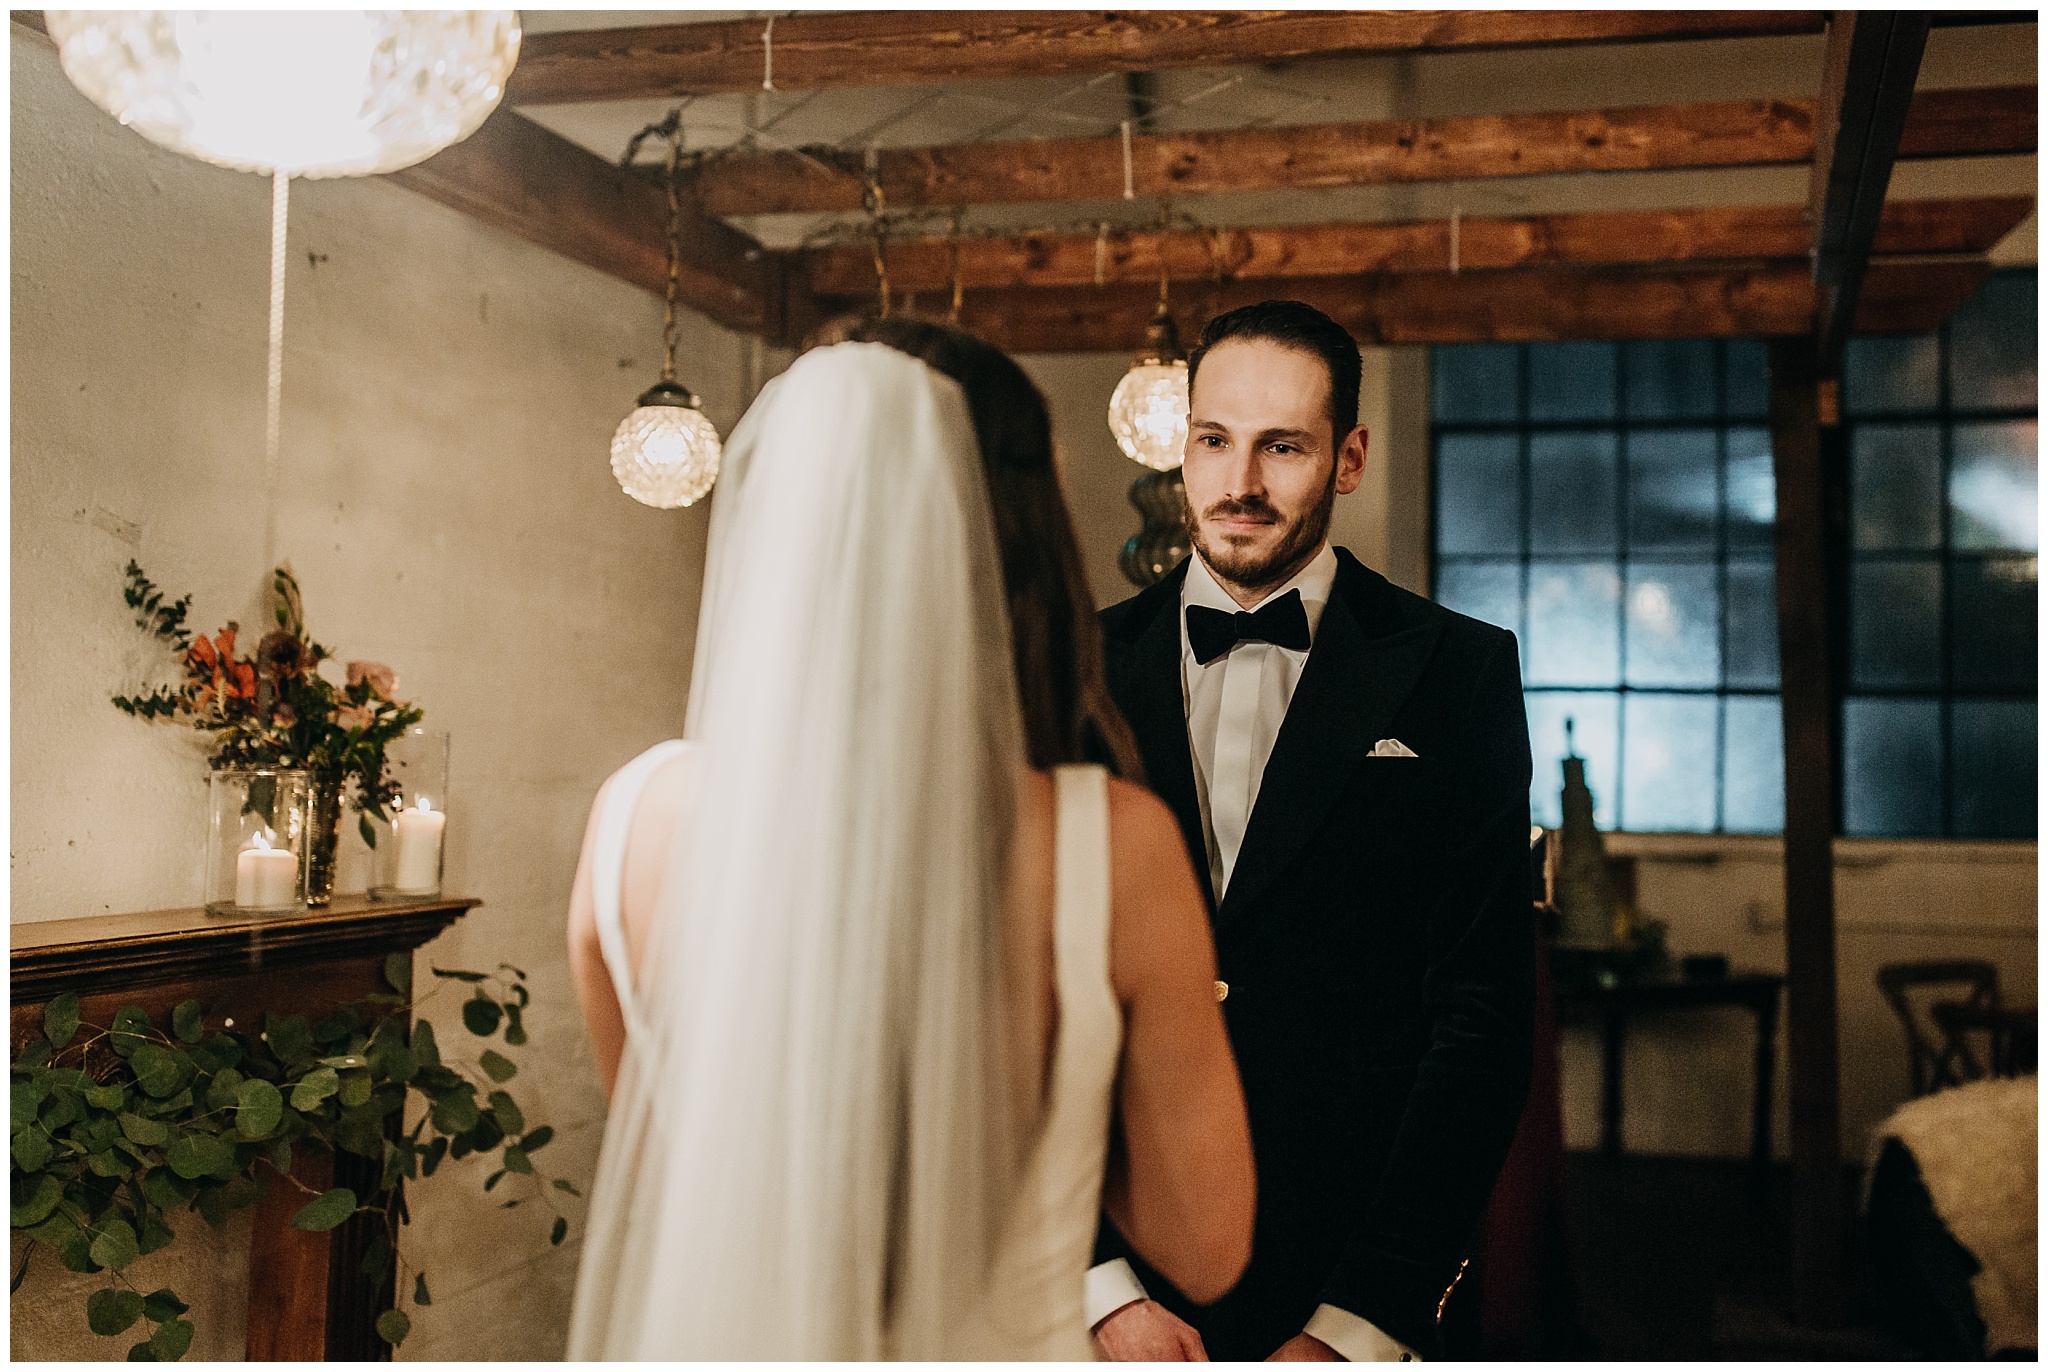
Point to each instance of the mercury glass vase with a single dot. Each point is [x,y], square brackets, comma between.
[1159,546]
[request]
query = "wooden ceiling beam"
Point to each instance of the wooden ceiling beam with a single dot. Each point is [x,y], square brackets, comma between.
[1619,238]
[1867,72]
[1749,133]
[1758,300]
[517,176]
[817,51]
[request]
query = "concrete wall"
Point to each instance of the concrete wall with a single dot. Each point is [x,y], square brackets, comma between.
[445,499]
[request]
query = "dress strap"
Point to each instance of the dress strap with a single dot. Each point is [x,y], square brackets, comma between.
[1081,887]
[608,866]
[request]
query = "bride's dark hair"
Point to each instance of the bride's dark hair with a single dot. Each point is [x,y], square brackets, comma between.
[1055,639]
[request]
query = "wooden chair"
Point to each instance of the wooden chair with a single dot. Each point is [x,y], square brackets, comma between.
[1940,1055]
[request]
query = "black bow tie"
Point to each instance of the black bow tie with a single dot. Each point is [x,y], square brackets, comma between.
[1212,633]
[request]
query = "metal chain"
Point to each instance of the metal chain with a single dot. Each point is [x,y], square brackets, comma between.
[675,248]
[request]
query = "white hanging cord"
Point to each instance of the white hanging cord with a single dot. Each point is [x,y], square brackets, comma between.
[1130,191]
[1454,240]
[1101,249]
[273,401]
[768,56]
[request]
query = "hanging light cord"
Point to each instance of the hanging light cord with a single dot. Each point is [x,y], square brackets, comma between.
[877,206]
[273,399]
[675,247]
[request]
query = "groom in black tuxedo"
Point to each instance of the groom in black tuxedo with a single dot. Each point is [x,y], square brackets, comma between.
[1350,765]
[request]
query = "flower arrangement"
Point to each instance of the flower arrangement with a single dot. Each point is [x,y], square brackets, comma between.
[275,708]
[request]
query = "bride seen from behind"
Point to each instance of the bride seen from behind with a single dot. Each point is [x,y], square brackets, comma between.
[894,992]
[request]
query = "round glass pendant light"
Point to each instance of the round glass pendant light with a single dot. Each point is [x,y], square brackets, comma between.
[1148,411]
[666,453]
[314,93]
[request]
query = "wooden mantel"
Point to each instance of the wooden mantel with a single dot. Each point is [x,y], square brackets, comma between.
[307,1301]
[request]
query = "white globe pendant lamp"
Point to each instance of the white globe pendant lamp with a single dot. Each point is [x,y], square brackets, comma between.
[1148,410]
[666,453]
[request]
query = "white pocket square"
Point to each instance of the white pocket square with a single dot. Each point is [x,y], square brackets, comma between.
[1391,747]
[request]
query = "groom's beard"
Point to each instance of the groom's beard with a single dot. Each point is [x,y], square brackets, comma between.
[1254,568]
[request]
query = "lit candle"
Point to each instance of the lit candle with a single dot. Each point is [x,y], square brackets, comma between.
[266,878]
[419,848]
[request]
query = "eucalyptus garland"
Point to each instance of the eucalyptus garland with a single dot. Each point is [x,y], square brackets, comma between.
[118,1127]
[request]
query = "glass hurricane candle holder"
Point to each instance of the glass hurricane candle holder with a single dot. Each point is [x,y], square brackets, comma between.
[405,860]
[260,821]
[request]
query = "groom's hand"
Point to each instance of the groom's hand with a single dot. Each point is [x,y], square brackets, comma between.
[1146,1331]
[1306,1348]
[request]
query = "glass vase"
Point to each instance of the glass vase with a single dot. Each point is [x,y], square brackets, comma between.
[407,854]
[324,840]
[260,822]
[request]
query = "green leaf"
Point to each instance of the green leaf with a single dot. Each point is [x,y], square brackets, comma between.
[112,1096]
[186,1023]
[259,1108]
[515,1026]
[148,1133]
[517,1161]
[419,1290]
[506,1111]
[290,1038]
[424,1049]
[111,1310]
[163,1305]
[316,1086]
[393,1326]
[564,1184]
[397,966]
[171,1340]
[160,1186]
[155,1233]
[34,1204]
[156,1071]
[559,1232]
[455,1112]
[104,1163]
[140,1353]
[367,830]
[221,1091]
[281,1154]
[355,1087]
[498,1067]
[481,1014]
[36,1053]
[326,1211]
[24,1098]
[32,1149]
[537,1139]
[399,1063]
[431,1157]
[200,1155]
[493,1179]
[60,1019]
[115,1246]
[129,1030]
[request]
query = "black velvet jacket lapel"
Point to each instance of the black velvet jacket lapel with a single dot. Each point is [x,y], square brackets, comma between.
[1361,670]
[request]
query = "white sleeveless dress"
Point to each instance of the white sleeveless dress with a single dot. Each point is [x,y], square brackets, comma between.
[1049,1239]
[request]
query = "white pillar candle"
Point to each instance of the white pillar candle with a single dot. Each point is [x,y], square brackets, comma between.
[419,849]
[266,878]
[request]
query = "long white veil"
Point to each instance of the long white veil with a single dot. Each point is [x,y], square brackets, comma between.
[811,1140]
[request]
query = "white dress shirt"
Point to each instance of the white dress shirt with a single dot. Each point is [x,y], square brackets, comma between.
[1235,707]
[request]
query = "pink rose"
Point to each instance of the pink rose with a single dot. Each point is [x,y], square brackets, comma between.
[353,717]
[383,681]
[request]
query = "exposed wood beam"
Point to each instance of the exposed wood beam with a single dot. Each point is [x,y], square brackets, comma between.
[814,51]
[1810,510]
[1619,238]
[1758,300]
[517,176]
[1748,133]
[1867,73]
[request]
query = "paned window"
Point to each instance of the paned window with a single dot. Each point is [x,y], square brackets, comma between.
[1613,504]
[1939,722]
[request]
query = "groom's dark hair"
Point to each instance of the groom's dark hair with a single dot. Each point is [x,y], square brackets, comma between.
[1055,638]
[1304,328]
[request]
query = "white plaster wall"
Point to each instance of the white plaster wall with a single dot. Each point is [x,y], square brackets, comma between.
[449,395]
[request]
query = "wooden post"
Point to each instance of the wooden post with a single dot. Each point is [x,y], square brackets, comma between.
[1807,628]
